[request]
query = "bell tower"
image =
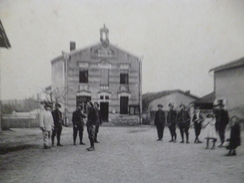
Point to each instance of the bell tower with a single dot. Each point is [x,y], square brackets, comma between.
[104,36]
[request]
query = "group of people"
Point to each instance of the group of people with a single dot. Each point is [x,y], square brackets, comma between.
[215,122]
[51,124]
[182,119]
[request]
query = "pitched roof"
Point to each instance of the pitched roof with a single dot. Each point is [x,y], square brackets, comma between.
[150,96]
[209,98]
[97,45]
[4,42]
[230,65]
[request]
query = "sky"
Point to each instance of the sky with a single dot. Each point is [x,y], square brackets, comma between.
[179,41]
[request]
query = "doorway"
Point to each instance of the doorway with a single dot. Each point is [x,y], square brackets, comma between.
[104,111]
[124,105]
[82,100]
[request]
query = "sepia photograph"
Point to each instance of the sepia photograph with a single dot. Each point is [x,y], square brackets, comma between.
[122,91]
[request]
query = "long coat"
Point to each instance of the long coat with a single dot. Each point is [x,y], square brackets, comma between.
[183,118]
[222,119]
[57,118]
[159,118]
[235,137]
[77,118]
[171,117]
[46,120]
[92,117]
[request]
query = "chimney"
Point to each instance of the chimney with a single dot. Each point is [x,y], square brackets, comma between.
[72,45]
[188,92]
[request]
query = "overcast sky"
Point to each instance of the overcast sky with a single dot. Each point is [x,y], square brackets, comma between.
[179,40]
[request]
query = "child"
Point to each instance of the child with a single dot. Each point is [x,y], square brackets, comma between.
[209,123]
[235,136]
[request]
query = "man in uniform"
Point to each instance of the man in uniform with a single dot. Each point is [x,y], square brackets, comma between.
[78,124]
[99,121]
[91,125]
[159,121]
[183,120]
[46,124]
[171,122]
[222,119]
[57,118]
[197,120]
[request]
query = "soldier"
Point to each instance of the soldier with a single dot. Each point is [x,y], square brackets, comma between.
[99,121]
[183,120]
[78,124]
[171,122]
[222,119]
[57,118]
[46,125]
[91,125]
[197,119]
[159,122]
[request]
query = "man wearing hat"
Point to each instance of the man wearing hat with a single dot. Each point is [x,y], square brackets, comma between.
[57,118]
[159,121]
[197,120]
[46,124]
[99,121]
[171,122]
[78,124]
[91,125]
[183,120]
[222,119]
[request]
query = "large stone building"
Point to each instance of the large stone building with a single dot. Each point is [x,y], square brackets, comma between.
[229,84]
[101,73]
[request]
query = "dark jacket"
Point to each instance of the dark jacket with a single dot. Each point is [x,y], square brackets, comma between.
[77,118]
[183,118]
[99,119]
[171,117]
[159,118]
[57,118]
[92,117]
[235,137]
[199,120]
[222,117]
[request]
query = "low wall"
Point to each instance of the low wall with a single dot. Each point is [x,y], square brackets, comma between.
[129,120]
[19,123]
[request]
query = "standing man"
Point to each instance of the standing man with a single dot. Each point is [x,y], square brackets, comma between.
[159,121]
[46,124]
[58,120]
[99,121]
[171,122]
[197,120]
[183,120]
[78,124]
[91,125]
[222,119]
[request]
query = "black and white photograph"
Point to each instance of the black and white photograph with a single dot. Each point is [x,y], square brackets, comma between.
[122,91]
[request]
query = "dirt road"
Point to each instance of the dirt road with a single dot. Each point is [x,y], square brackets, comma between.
[124,154]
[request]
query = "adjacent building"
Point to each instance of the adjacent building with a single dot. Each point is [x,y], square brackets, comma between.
[176,97]
[101,73]
[229,85]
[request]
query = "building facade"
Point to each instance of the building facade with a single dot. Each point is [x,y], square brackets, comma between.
[229,84]
[100,73]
